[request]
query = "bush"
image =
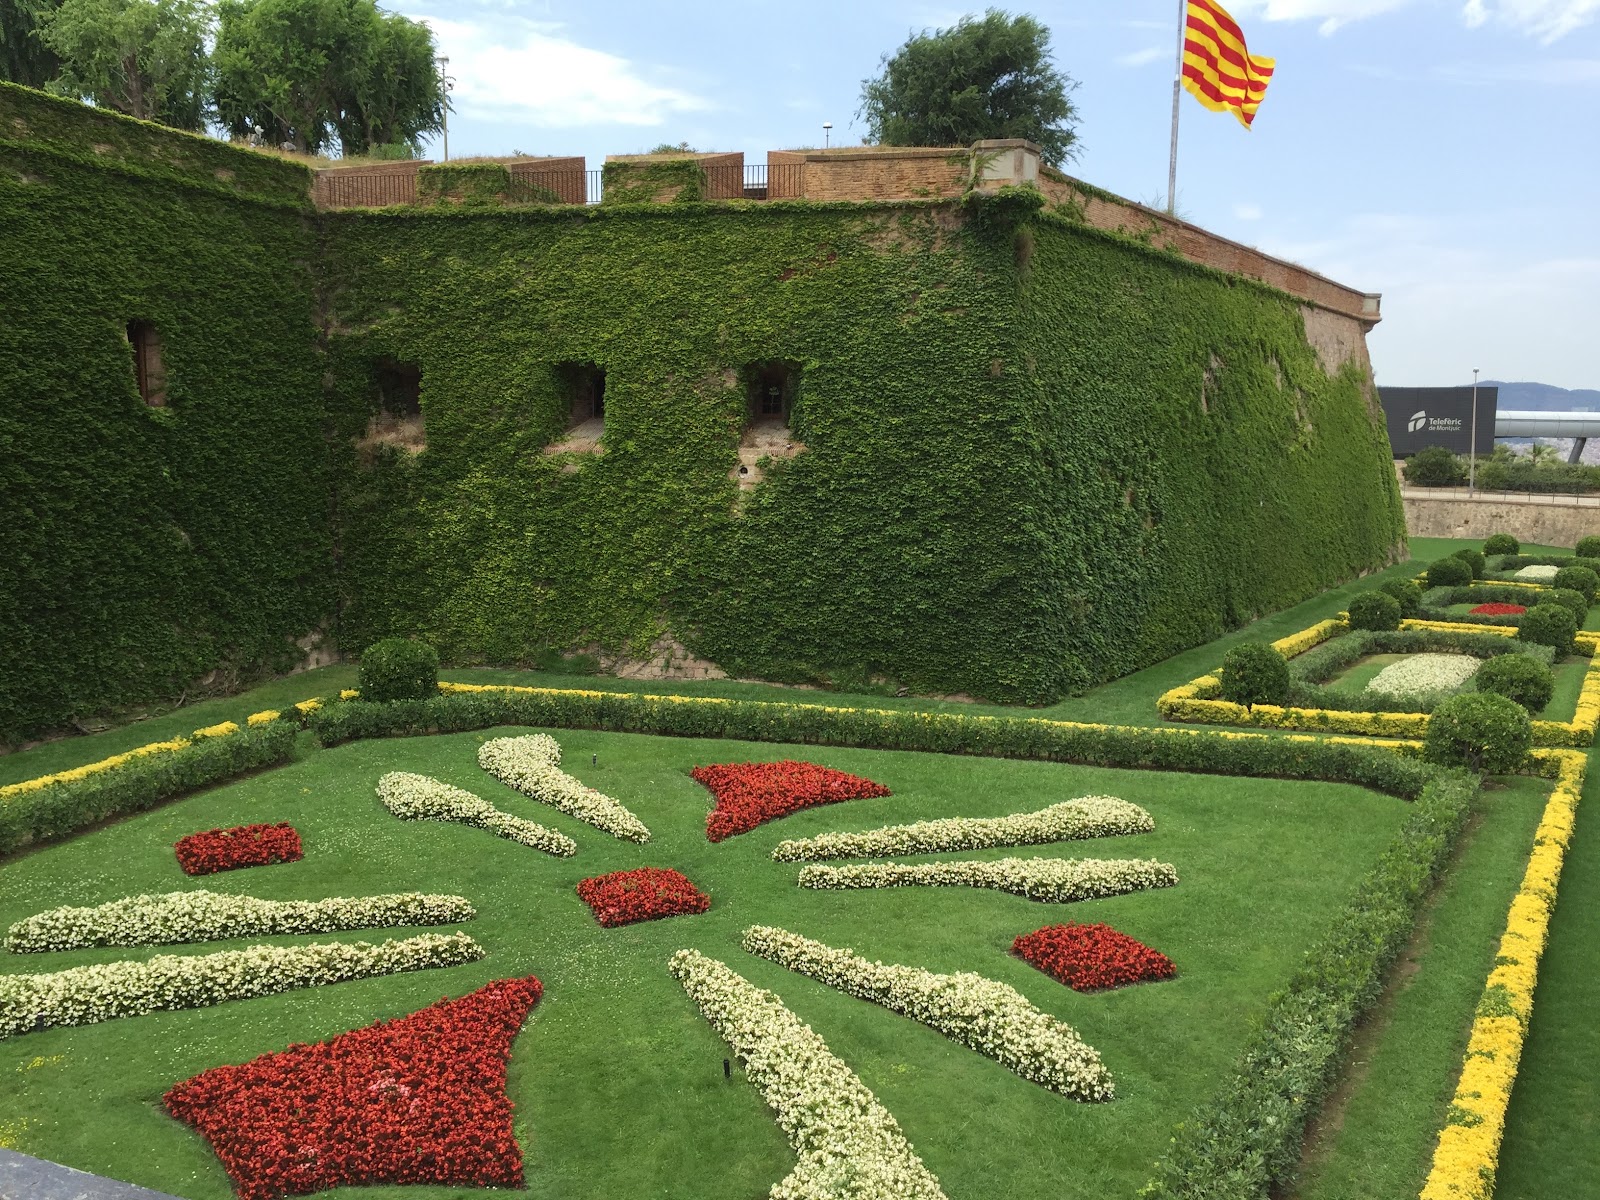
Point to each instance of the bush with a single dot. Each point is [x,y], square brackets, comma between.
[1519,678]
[1480,731]
[1548,624]
[1450,572]
[1579,579]
[1435,467]
[1474,559]
[1588,547]
[1504,543]
[1374,610]
[1567,598]
[399,669]
[1255,673]
[1408,593]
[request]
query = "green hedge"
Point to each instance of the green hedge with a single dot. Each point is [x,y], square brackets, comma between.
[1310,671]
[59,809]
[1248,1137]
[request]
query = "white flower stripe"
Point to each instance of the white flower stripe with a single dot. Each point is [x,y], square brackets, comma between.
[1542,574]
[849,1146]
[422,798]
[985,1015]
[202,916]
[1417,674]
[86,995]
[1087,817]
[529,764]
[1057,880]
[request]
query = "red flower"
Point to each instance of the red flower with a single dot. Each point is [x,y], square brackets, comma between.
[1090,958]
[1500,610]
[242,846]
[645,894]
[749,794]
[421,1099]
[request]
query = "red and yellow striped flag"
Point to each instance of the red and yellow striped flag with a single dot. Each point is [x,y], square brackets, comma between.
[1218,70]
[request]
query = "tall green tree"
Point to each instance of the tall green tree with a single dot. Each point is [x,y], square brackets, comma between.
[986,77]
[312,72]
[24,58]
[143,58]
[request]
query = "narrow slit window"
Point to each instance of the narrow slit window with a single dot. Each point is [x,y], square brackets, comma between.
[399,389]
[584,384]
[770,391]
[148,372]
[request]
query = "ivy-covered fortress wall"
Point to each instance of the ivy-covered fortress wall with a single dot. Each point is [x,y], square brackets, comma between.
[143,548]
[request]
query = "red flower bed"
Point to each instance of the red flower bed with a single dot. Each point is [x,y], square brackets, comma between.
[421,1099]
[623,897]
[1500,610]
[1090,958]
[748,794]
[241,846]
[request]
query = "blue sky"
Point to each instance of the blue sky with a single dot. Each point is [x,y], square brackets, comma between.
[1443,152]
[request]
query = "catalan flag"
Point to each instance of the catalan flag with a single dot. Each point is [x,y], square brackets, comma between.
[1218,70]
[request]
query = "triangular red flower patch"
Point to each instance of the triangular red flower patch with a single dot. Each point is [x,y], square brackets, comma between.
[749,794]
[420,1099]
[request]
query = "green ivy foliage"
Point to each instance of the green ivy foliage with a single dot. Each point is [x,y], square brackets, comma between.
[143,548]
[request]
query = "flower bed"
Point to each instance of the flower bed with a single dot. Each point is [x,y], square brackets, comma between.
[1091,958]
[1422,674]
[87,995]
[1538,574]
[749,794]
[241,846]
[849,1146]
[203,916]
[645,894]
[1496,609]
[1055,880]
[1088,817]
[530,765]
[985,1015]
[421,798]
[421,1099]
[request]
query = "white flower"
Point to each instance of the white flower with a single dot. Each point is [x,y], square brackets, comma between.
[1417,674]
[421,798]
[202,916]
[992,1018]
[1090,816]
[86,995]
[528,764]
[1058,880]
[849,1146]
[1537,574]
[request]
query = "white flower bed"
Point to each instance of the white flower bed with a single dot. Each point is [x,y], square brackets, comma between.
[422,798]
[85,995]
[202,916]
[850,1147]
[1058,880]
[529,764]
[1087,817]
[1417,674]
[990,1017]
[1537,574]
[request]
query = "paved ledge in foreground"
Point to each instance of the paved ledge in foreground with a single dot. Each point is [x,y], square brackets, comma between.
[26,1178]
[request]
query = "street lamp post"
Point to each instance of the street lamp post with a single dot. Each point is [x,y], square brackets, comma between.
[446,83]
[827,134]
[1472,449]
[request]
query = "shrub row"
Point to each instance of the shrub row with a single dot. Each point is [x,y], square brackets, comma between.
[1249,1135]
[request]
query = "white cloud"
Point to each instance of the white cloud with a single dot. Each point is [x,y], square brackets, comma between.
[1554,71]
[1247,212]
[1546,20]
[1139,58]
[517,70]
[1331,13]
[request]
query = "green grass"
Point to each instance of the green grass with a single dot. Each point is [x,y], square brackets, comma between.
[1363,671]
[617,1080]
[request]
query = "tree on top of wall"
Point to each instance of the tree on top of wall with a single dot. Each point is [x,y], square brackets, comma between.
[986,77]
[24,58]
[141,58]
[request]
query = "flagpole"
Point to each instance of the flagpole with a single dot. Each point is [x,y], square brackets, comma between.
[1177,81]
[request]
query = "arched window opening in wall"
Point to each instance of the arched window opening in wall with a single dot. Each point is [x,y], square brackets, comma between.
[148,371]
[584,384]
[770,391]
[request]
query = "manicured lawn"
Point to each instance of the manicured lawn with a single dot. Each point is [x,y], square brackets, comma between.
[617,1080]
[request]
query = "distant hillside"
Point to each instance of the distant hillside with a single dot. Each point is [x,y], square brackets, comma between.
[1543,396]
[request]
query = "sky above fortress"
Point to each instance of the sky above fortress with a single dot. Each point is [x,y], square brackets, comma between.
[1443,152]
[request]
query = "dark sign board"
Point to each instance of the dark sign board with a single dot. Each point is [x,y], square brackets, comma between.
[1439,416]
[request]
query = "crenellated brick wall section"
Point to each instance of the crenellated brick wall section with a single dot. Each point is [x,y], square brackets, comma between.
[376,185]
[724,173]
[867,173]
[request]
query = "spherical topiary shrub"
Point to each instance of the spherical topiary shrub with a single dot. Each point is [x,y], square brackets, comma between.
[1408,593]
[1588,547]
[1579,579]
[1548,624]
[1255,673]
[1450,572]
[1588,564]
[1435,467]
[1474,559]
[399,669]
[1480,731]
[1501,543]
[1374,610]
[1518,677]
[1567,598]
